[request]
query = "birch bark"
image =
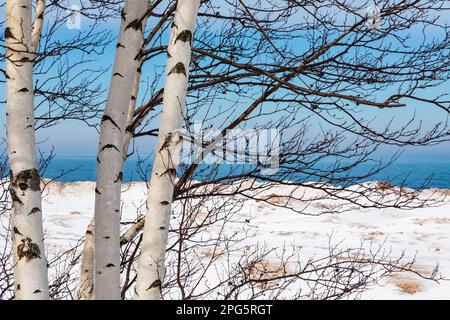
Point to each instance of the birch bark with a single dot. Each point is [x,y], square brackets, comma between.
[86,286]
[110,154]
[130,115]
[30,270]
[151,264]
[37,25]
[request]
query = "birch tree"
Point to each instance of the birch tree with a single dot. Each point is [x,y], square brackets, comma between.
[37,25]
[86,286]
[30,271]
[110,153]
[86,283]
[159,203]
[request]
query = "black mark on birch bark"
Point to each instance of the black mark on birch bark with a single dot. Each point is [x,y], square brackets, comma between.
[184,36]
[135,24]
[119,177]
[27,179]
[139,55]
[16,231]
[109,146]
[8,33]
[108,118]
[167,141]
[34,210]
[37,291]
[28,249]
[97,192]
[155,284]
[14,196]
[179,68]
[165,203]
[110,265]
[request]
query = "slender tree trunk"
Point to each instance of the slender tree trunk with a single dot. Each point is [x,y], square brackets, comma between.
[30,270]
[132,232]
[86,286]
[37,25]
[110,154]
[130,115]
[151,264]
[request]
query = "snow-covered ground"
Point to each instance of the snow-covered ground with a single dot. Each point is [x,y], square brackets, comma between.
[424,232]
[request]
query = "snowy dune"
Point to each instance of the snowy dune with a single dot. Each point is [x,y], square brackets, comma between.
[423,233]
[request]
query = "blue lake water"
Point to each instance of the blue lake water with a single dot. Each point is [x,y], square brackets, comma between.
[414,171]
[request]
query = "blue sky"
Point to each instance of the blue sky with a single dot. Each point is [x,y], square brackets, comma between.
[71,137]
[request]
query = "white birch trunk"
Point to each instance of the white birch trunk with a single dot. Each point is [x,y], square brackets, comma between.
[151,264]
[30,270]
[86,285]
[37,25]
[132,232]
[130,115]
[110,154]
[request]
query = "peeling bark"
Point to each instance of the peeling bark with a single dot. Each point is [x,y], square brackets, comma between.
[30,270]
[110,154]
[159,203]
